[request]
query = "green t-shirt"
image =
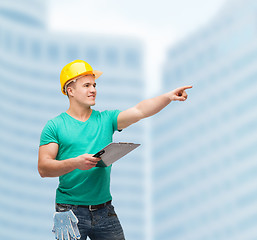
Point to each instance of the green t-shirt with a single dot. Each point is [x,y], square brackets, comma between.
[74,137]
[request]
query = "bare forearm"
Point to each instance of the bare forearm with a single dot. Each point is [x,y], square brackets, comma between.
[152,106]
[56,168]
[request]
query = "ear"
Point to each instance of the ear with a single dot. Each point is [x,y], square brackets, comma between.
[70,91]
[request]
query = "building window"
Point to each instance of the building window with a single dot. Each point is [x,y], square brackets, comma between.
[111,57]
[36,49]
[7,41]
[178,73]
[132,58]
[21,45]
[92,55]
[72,53]
[53,52]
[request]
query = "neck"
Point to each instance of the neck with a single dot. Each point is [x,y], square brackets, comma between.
[81,114]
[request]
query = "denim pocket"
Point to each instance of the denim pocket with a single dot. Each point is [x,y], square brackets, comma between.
[111,211]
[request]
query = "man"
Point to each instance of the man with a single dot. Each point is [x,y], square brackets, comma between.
[67,145]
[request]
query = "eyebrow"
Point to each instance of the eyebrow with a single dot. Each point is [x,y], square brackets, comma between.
[89,83]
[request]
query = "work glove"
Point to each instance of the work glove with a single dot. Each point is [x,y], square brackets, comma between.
[65,226]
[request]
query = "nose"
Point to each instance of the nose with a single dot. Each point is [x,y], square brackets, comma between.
[92,89]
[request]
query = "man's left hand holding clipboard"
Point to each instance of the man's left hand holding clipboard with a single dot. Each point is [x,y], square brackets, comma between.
[113,152]
[98,155]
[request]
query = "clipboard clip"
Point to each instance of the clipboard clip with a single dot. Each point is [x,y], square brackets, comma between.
[97,155]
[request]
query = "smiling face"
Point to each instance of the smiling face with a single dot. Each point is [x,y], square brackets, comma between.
[83,91]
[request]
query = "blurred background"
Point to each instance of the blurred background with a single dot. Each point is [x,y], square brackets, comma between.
[195,175]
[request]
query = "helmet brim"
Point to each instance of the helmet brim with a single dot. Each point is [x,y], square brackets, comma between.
[97,73]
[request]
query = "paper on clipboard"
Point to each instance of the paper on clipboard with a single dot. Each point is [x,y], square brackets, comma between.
[113,152]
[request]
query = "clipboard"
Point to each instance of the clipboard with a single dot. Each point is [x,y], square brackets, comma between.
[113,152]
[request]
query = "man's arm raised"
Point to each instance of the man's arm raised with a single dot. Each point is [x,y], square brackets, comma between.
[150,107]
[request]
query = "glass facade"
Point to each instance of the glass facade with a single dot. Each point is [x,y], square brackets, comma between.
[31,59]
[205,178]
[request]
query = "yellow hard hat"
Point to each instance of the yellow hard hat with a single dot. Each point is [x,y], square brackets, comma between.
[75,69]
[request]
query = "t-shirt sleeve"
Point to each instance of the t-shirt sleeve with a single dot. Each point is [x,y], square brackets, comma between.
[114,118]
[48,134]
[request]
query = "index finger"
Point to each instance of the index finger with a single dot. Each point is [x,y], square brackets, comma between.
[184,88]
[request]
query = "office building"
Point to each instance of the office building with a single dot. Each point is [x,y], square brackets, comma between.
[31,58]
[204,149]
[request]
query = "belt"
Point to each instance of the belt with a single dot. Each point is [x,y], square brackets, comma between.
[90,207]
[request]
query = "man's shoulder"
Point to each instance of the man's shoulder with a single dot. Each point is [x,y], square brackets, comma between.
[106,113]
[56,120]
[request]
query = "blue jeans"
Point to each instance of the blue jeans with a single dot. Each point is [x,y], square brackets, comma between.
[101,224]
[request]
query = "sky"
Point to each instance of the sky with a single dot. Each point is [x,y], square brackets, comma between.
[160,24]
